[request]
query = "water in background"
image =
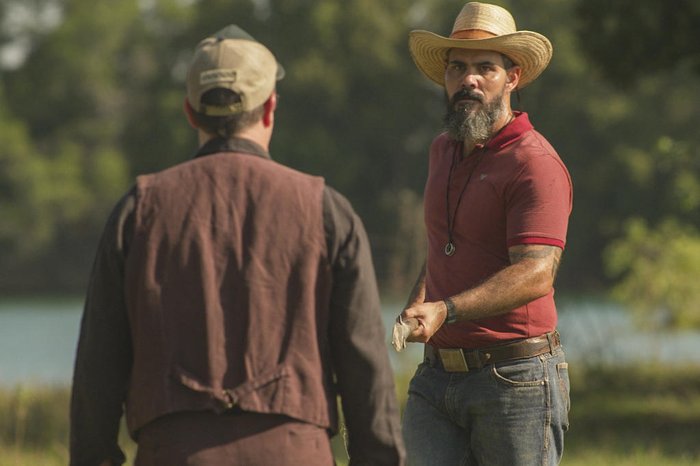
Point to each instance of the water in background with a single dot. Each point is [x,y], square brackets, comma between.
[38,339]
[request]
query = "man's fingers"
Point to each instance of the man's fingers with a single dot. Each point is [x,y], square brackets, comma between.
[418,333]
[402,331]
[412,323]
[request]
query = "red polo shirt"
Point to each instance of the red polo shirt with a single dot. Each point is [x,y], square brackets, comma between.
[517,191]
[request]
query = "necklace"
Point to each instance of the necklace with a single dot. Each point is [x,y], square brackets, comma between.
[450,246]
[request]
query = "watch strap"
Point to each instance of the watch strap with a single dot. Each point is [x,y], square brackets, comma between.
[451,312]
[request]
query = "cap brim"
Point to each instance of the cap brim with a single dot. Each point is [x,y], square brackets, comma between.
[280,72]
[529,50]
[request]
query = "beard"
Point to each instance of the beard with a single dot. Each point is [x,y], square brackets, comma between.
[473,121]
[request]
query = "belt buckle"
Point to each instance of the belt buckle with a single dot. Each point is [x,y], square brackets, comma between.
[453,360]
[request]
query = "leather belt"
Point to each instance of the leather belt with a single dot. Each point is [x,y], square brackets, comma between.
[465,360]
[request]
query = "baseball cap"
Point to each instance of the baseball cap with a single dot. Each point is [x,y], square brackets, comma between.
[232,59]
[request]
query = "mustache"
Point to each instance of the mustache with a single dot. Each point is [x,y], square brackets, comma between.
[463,94]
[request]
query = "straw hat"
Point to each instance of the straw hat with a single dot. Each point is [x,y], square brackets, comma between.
[480,26]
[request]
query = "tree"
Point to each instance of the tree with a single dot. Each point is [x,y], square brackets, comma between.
[649,52]
[629,39]
[99,97]
[24,210]
[658,270]
[66,96]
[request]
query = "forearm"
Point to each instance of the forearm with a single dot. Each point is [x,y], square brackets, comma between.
[368,398]
[96,409]
[358,347]
[363,372]
[417,295]
[530,276]
[103,357]
[512,287]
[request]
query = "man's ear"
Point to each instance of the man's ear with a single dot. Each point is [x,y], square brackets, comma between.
[189,112]
[270,106]
[513,77]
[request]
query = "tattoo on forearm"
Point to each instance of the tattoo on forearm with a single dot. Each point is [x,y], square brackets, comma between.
[543,252]
[530,254]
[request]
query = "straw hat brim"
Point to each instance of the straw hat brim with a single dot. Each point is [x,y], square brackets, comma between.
[529,50]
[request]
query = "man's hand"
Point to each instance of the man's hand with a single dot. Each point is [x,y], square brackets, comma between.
[430,317]
[530,276]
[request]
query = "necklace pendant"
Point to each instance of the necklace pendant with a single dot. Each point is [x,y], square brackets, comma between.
[449,249]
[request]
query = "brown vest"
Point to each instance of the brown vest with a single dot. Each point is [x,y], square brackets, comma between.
[227,289]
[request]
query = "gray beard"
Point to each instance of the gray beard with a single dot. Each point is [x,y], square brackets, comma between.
[473,127]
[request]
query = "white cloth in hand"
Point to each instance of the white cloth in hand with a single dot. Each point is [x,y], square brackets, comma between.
[399,334]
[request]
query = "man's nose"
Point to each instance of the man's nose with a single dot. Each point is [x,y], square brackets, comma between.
[469,80]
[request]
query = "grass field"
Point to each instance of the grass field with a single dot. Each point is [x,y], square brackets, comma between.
[631,416]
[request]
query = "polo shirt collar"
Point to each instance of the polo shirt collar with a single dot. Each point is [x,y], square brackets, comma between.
[218,145]
[511,132]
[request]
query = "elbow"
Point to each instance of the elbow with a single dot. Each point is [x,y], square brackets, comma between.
[542,290]
[541,285]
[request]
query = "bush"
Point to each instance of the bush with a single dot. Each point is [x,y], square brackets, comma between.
[34,417]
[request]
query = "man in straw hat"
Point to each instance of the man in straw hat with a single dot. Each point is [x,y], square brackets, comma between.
[232,299]
[493,388]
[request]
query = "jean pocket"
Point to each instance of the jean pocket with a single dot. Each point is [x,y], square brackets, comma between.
[564,391]
[520,373]
[422,368]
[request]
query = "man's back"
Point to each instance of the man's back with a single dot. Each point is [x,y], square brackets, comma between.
[227,287]
[234,289]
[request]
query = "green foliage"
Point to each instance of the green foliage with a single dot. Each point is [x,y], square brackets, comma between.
[625,36]
[25,224]
[99,99]
[652,174]
[33,417]
[659,269]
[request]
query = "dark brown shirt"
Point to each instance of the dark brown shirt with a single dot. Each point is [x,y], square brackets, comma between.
[356,339]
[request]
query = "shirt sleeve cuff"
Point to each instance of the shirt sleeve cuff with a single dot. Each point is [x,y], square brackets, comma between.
[536,240]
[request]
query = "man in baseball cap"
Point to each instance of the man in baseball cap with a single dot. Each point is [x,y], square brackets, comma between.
[232,299]
[493,388]
[232,59]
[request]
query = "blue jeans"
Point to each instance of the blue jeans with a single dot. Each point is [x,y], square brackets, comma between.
[513,413]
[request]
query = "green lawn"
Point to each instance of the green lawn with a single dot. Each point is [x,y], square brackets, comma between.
[635,416]
[632,416]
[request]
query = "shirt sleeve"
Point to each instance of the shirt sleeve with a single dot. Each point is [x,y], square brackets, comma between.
[539,203]
[103,359]
[357,337]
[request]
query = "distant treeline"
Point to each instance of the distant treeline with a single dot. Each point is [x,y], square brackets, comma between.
[91,95]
